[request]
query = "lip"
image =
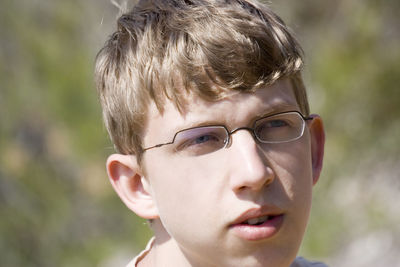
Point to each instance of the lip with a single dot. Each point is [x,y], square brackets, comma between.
[258,232]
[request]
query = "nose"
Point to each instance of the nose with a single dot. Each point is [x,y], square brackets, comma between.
[250,170]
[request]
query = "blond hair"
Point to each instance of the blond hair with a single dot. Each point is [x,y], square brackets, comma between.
[166,49]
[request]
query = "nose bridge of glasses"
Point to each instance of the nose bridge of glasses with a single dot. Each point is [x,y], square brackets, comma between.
[250,130]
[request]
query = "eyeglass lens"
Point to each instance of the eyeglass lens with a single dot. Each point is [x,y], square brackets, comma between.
[279,128]
[201,140]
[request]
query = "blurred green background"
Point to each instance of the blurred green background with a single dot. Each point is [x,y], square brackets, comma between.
[57,207]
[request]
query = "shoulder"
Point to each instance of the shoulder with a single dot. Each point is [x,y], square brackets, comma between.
[301,262]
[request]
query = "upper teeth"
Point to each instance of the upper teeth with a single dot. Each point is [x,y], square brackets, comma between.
[257,220]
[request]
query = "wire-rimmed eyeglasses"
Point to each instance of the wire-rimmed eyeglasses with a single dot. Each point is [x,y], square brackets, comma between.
[276,128]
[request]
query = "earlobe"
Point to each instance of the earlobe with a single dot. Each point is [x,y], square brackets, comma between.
[131,186]
[317,135]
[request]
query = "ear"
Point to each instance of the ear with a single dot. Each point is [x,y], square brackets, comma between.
[317,135]
[131,186]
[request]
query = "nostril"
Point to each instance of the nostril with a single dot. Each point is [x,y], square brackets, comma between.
[242,188]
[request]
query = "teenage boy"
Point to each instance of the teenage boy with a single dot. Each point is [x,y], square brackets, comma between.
[206,106]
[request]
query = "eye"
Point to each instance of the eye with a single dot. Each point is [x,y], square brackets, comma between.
[274,129]
[270,125]
[275,123]
[202,140]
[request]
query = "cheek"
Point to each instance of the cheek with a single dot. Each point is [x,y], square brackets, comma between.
[292,164]
[182,189]
[187,199]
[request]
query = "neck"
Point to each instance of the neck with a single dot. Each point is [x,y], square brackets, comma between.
[165,251]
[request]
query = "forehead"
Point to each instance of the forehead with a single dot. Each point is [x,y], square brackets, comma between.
[235,110]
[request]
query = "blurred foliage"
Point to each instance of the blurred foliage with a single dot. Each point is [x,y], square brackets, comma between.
[353,74]
[56,205]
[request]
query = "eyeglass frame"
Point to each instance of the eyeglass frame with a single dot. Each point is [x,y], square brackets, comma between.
[249,129]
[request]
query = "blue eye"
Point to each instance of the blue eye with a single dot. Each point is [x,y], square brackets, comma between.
[203,139]
[200,140]
[269,125]
[276,123]
[273,129]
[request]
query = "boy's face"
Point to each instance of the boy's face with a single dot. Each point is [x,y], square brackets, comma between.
[203,202]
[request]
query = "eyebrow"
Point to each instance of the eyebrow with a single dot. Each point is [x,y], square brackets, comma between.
[278,107]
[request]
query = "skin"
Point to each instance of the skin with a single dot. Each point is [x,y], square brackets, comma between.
[194,201]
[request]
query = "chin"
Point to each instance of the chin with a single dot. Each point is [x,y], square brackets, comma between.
[277,256]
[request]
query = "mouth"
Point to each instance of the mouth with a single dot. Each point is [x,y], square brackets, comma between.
[257,220]
[255,225]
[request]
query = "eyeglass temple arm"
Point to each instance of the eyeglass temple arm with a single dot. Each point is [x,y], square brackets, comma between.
[158,145]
